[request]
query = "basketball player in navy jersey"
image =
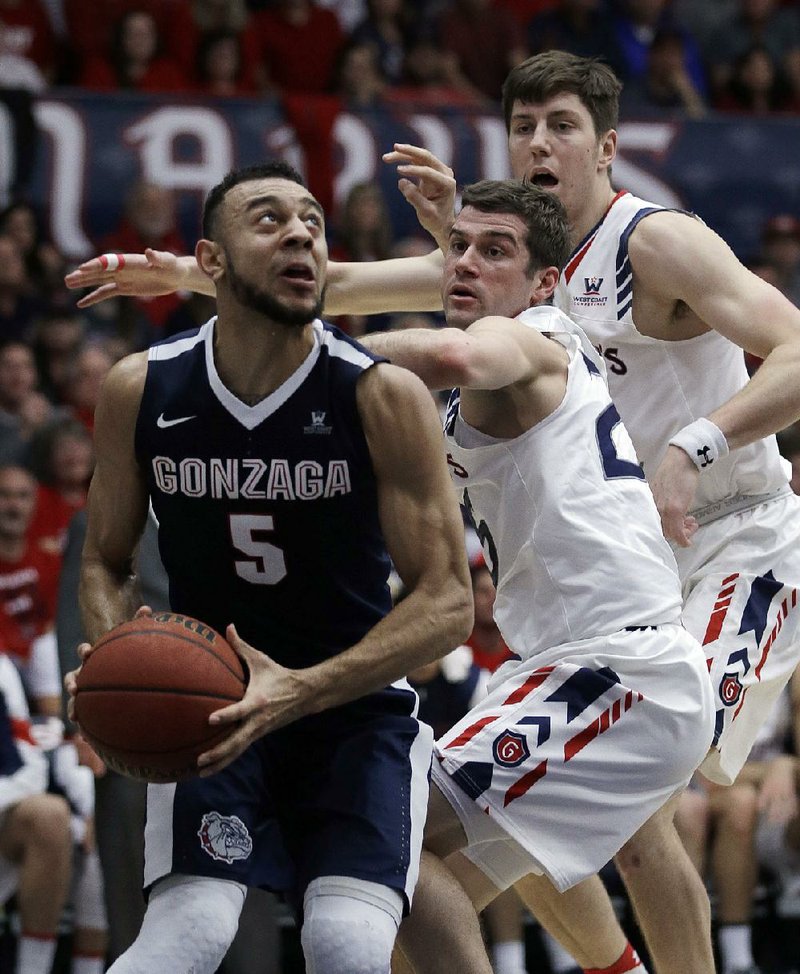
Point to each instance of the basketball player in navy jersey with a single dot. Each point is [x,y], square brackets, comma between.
[286,466]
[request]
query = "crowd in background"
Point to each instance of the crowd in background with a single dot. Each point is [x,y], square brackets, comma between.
[678,57]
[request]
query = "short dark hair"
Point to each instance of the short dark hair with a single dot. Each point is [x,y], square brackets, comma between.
[276,169]
[547,74]
[542,212]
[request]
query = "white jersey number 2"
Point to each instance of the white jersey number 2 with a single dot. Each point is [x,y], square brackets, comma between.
[265,564]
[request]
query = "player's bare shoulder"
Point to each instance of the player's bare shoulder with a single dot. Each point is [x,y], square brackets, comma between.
[387,394]
[122,392]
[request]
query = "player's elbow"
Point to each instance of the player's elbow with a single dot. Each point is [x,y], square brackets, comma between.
[456,612]
[455,359]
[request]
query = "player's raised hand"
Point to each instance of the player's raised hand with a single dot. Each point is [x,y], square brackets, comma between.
[674,486]
[428,185]
[150,274]
[271,700]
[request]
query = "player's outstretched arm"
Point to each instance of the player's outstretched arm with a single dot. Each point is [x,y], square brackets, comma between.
[678,259]
[150,274]
[424,534]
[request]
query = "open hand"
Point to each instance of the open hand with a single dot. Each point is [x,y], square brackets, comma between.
[150,274]
[428,185]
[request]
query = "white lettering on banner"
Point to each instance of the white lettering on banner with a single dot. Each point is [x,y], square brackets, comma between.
[8,163]
[67,131]
[493,151]
[435,134]
[652,137]
[156,134]
[360,154]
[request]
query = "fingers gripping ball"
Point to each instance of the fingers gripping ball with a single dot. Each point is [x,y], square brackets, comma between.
[145,694]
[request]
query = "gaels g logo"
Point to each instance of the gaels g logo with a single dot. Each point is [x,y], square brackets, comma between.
[730,689]
[510,749]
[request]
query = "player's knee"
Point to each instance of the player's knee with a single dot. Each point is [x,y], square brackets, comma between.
[349,926]
[44,820]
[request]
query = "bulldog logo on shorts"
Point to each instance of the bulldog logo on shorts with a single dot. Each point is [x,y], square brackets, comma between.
[730,689]
[225,837]
[510,749]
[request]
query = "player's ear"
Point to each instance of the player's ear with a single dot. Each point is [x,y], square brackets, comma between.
[210,258]
[607,149]
[544,284]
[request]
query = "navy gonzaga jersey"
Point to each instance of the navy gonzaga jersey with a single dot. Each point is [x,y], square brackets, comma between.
[268,514]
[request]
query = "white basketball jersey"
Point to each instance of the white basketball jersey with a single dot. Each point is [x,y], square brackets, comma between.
[567,522]
[659,386]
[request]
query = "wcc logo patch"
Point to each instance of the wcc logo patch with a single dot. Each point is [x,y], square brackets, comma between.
[592,285]
[318,426]
[510,749]
[224,837]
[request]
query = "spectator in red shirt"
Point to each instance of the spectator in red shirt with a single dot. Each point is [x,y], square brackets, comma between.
[221,67]
[28,591]
[149,221]
[92,364]
[298,45]
[62,458]
[136,61]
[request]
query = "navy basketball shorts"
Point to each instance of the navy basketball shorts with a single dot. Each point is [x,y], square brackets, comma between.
[342,793]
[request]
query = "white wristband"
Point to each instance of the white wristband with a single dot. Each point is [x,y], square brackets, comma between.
[702,441]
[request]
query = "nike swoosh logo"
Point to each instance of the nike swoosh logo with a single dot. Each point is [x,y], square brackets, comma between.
[163,424]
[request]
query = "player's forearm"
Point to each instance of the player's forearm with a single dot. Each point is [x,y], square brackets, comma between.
[425,626]
[768,403]
[106,598]
[384,286]
[191,278]
[435,355]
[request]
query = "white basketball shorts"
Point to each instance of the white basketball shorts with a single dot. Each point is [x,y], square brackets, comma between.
[571,759]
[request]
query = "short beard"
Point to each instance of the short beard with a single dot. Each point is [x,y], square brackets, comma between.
[257,300]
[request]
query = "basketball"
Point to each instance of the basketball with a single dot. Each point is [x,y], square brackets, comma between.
[145,694]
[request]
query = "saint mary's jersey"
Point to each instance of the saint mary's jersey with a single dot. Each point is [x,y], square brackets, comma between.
[659,386]
[268,514]
[568,524]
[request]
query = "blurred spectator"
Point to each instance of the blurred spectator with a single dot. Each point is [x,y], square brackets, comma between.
[214,15]
[348,12]
[136,60]
[18,307]
[28,592]
[91,26]
[297,45]
[525,10]
[44,265]
[486,40]
[666,88]
[757,86]
[780,247]
[432,75]
[636,23]
[359,81]
[35,843]
[56,339]
[224,18]
[23,409]
[756,22]
[220,65]
[17,71]
[363,231]
[62,460]
[28,33]
[85,377]
[387,27]
[583,27]
[704,19]
[149,220]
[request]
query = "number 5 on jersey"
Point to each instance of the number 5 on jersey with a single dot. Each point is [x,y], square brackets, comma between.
[264,563]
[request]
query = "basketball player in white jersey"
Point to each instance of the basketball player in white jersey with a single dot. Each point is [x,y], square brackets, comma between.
[671,331]
[606,708]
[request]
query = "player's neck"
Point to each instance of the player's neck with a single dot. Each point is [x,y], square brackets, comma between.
[592,213]
[254,358]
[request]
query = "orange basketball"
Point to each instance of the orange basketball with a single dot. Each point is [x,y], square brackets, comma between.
[145,693]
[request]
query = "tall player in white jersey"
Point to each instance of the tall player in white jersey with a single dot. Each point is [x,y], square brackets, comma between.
[606,708]
[671,332]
